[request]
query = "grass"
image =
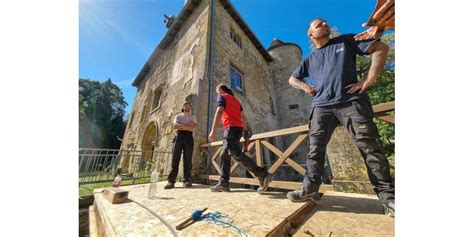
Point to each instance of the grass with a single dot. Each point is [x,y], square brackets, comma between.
[87,189]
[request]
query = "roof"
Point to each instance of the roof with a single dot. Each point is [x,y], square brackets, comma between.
[278,43]
[187,10]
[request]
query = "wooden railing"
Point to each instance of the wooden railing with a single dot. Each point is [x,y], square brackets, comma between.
[259,141]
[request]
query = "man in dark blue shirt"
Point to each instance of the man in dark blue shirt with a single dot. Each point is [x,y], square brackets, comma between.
[338,97]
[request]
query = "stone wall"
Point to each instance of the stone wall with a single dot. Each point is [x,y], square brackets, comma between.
[292,105]
[347,164]
[177,72]
[250,63]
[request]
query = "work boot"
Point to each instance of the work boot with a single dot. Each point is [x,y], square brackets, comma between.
[219,187]
[169,185]
[389,209]
[300,195]
[264,179]
[187,184]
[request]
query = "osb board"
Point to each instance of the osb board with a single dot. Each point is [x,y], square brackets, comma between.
[254,214]
[348,215]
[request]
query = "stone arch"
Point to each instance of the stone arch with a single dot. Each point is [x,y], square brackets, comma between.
[149,140]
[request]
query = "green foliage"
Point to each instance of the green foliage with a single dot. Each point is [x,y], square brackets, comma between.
[101,112]
[382,91]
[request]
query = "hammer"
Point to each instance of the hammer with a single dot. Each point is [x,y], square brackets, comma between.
[189,221]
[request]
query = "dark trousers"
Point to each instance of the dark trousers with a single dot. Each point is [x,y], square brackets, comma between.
[232,148]
[357,118]
[183,142]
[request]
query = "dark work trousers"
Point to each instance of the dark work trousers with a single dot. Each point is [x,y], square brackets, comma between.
[232,148]
[182,142]
[357,118]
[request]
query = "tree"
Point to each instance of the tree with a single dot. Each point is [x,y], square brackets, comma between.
[101,114]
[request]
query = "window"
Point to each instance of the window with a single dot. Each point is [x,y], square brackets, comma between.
[272,107]
[236,81]
[293,106]
[157,98]
[235,38]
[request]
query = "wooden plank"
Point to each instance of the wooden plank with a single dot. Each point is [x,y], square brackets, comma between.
[295,166]
[217,154]
[287,153]
[289,161]
[293,222]
[281,132]
[213,160]
[274,184]
[251,145]
[272,148]
[258,151]
[93,230]
[234,167]
[276,133]
[218,168]
[388,117]
[384,107]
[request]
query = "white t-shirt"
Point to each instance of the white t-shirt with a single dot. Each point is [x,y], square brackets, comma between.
[184,119]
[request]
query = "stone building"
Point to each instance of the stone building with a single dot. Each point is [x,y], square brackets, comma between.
[209,43]
[206,44]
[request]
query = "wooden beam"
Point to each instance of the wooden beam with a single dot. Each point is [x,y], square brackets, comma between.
[258,151]
[384,107]
[234,167]
[274,184]
[290,225]
[287,153]
[251,145]
[209,163]
[295,166]
[281,132]
[276,133]
[289,161]
[217,154]
[213,159]
[388,117]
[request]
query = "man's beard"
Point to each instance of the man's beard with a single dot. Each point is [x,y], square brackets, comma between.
[328,32]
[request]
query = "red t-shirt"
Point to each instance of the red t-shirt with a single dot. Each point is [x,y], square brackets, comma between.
[232,109]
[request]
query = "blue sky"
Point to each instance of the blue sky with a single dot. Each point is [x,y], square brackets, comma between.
[116,37]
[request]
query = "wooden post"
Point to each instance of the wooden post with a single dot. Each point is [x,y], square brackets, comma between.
[258,151]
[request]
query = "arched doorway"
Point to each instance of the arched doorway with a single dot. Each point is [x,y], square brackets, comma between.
[149,141]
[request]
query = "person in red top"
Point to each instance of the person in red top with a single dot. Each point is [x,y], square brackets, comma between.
[230,112]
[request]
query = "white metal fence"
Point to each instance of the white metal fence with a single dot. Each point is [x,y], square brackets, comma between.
[102,165]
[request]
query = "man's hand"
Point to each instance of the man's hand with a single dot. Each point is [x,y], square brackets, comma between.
[360,86]
[310,90]
[298,84]
[373,32]
[212,136]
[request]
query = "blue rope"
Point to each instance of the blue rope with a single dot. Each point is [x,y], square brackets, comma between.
[217,218]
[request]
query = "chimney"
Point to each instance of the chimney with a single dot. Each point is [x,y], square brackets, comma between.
[169,20]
